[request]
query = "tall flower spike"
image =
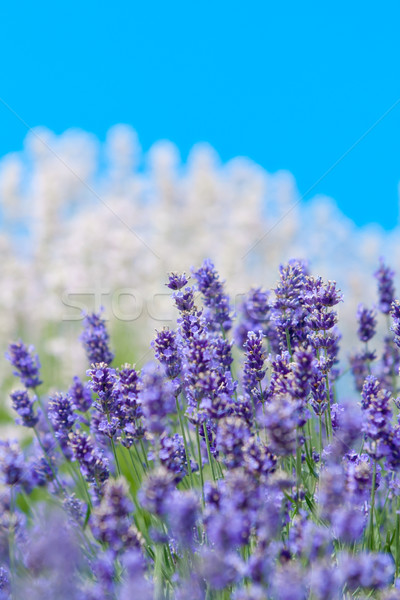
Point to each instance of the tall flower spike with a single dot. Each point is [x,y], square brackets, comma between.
[23,405]
[110,521]
[254,370]
[366,323]
[219,311]
[93,466]
[95,340]
[395,313]
[386,291]
[25,362]
[80,395]
[166,351]
[61,414]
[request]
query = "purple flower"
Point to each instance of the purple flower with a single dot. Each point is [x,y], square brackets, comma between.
[280,421]
[177,281]
[359,366]
[325,583]
[110,522]
[377,425]
[182,510]
[102,383]
[61,414]
[5,588]
[255,316]
[80,395]
[155,490]
[95,340]
[372,571]
[218,313]
[395,313]
[13,465]
[370,389]
[91,461]
[157,399]
[366,323]
[386,291]
[25,362]
[23,405]
[254,370]
[219,569]
[289,582]
[232,433]
[167,352]
[209,387]
[173,457]
[348,524]
[125,393]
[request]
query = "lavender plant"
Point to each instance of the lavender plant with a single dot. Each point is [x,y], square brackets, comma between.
[228,467]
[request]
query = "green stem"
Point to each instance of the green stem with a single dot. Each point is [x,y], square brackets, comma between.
[210,459]
[298,467]
[144,454]
[371,521]
[115,456]
[200,465]
[289,346]
[133,465]
[48,458]
[320,436]
[178,409]
[397,537]
[11,538]
[328,399]
[139,459]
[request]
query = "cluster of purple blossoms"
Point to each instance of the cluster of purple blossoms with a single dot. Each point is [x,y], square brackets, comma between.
[254,371]
[23,405]
[127,407]
[80,395]
[288,312]
[95,340]
[110,521]
[218,309]
[366,323]
[167,352]
[386,291]
[90,458]
[26,364]
[172,456]
[215,471]
[255,315]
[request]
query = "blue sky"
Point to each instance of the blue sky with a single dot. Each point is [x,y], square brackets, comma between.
[291,85]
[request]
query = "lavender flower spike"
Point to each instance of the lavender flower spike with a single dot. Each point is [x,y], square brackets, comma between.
[25,362]
[254,370]
[216,301]
[23,405]
[95,340]
[386,290]
[366,323]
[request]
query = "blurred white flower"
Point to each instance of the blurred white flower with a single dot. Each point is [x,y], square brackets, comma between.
[88,224]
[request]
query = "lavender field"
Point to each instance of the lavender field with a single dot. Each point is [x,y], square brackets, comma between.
[228,466]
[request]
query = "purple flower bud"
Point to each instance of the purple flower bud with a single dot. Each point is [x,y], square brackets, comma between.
[110,521]
[366,323]
[217,302]
[166,351]
[177,281]
[23,405]
[386,292]
[80,395]
[95,340]
[25,362]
